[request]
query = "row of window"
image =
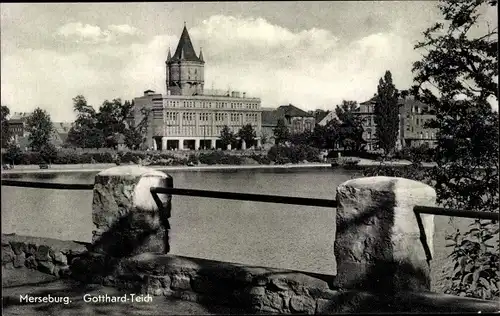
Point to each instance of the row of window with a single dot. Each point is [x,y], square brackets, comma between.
[421,134]
[208,105]
[205,117]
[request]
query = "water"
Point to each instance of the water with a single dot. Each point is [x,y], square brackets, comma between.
[285,236]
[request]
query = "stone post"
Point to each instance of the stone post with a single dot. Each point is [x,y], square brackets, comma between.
[243,144]
[196,144]
[181,144]
[155,147]
[377,245]
[127,219]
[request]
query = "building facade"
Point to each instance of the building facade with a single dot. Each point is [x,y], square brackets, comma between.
[412,117]
[188,116]
[297,120]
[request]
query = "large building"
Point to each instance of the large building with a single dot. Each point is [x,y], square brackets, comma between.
[188,116]
[412,117]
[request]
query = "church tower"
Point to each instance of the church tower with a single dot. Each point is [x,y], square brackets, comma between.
[185,73]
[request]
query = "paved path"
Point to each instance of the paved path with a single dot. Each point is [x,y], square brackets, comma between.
[45,287]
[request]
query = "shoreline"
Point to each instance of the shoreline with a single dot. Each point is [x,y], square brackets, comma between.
[26,169]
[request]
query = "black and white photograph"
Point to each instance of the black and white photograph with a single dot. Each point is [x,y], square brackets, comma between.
[257,157]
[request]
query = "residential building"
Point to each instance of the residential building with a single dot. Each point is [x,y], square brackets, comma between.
[17,128]
[412,117]
[297,120]
[188,116]
[331,115]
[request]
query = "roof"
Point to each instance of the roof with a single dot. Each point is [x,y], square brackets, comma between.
[270,116]
[321,115]
[185,50]
[293,111]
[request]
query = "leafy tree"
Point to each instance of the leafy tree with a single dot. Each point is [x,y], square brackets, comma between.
[248,134]
[350,126]
[457,76]
[386,114]
[227,137]
[48,152]
[13,153]
[40,128]
[5,126]
[303,138]
[281,132]
[98,129]
[135,135]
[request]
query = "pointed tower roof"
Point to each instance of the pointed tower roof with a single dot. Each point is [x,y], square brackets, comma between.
[201,55]
[185,50]
[169,56]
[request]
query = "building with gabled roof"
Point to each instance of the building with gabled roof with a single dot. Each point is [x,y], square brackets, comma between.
[188,116]
[413,115]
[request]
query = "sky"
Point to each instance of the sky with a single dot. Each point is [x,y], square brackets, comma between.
[310,54]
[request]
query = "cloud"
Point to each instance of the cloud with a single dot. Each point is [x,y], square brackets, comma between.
[123,28]
[87,33]
[310,68]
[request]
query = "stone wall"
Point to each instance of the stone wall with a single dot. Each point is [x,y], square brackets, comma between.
[47,255]
[255,289]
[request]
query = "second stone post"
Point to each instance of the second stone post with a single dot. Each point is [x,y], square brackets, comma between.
[377,244]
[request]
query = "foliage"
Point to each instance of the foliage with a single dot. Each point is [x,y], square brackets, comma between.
[98,129]
[475,272]
[293,154]
[5,126]
[386,114]
[136,136]
[48,153]
[462,69]
[219,157]
[349,126]
[227,137]
[40,128]
[84,132]
[261,159]
[281,132]
[248,134]
[13,153]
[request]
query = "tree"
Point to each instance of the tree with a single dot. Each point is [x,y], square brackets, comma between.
[136,134]
[48,152]
[97,129]
[40,128]
[281,132]
[349,125]
[84,133]
[227,137]
[457,76]
[13,152]
[386,114]
[5,126]
[248,134]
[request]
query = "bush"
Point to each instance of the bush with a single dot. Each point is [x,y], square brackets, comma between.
[261,159]
[293,154]
[219,157]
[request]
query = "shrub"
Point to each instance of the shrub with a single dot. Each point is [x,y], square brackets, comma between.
[219,157]
[293,154]
[261,159]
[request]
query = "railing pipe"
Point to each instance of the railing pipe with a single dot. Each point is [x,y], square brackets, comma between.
[247,196]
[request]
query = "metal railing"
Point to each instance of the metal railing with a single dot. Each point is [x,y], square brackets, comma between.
[418,210]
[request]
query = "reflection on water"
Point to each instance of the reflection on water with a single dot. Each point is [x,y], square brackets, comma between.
[287,236]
